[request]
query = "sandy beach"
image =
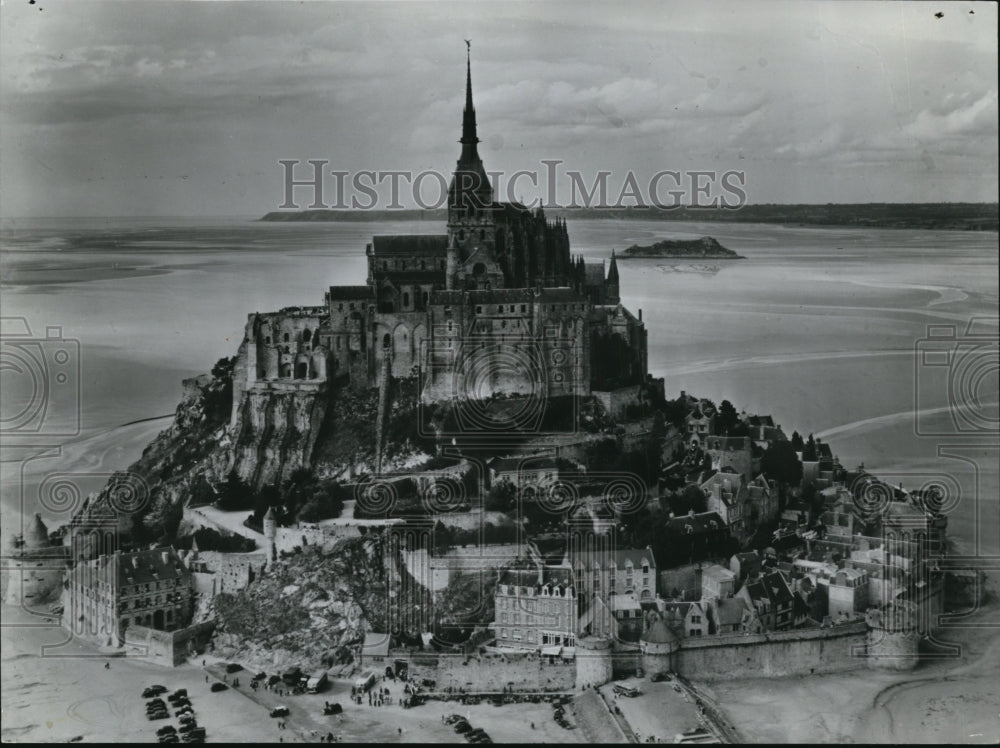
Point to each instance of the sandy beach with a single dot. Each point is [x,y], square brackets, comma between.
[69,694]
[942,701]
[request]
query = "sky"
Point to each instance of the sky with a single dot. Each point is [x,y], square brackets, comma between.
[186,108]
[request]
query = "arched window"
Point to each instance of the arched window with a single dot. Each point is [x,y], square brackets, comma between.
[387,341]
[286,337]
[306,336]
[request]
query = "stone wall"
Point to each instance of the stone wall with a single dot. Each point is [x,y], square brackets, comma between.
[616,401]
[491,673]
[776,654]
[169,648]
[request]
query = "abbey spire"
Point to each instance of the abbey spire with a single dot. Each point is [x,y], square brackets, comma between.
[470,154]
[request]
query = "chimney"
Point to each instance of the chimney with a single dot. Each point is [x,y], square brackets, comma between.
[165,555]
[640,315]
[135,562]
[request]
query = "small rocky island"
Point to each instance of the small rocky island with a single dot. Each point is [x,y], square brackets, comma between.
[704,248]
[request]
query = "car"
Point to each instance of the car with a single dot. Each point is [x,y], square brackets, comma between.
[155,708]
[186,709]
[158,704]
[171,738]
[178,693]
[626,691]
[453,718]
[188,727]
[198,732]
[186,719]
[677,688]
[260,676]
[462,726]
[273,679]
[233,667]
[153,691]
[280,711]
[157,715]
[660,677]
[333,708]
[166,729]
[216,687]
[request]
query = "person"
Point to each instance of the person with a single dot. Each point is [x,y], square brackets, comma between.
[107,665]
[203,663]
[400,730]
[532,725]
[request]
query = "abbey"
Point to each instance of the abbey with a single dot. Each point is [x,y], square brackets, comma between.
[497,305]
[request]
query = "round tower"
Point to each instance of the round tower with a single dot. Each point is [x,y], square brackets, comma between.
[893,638]
[270,533]
[657,646]
[593,661]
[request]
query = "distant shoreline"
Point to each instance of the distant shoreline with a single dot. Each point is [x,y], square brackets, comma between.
[929,216]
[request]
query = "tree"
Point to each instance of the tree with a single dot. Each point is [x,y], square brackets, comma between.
[727,418]
[689,498]
[809,450]
[782,464]
[500,497]
[797,443]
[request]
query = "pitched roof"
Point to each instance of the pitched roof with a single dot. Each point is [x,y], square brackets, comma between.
[635,555]
[346,293]
[659,633]
[729,611]
[699,523]
[141,567]
[410,244]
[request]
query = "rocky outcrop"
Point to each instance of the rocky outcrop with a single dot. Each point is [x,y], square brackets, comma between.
[313,608]
[275,433]
[704,248]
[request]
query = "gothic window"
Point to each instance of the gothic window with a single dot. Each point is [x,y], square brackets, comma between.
[387,341]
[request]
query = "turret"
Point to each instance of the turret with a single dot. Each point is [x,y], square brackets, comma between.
[612,284]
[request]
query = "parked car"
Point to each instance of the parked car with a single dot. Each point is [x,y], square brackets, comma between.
[280,711]
[626,691]
[153,691]
[333,708]
[273,679]
[462,726]
[453,718]
[157,715]
[216,687]
[179,693]
[186,719]
[259,676]
[166,729]
[171,738]
[660,677]
[233,667]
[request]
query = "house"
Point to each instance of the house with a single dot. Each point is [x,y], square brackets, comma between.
[535,607]
[628,613]
[686,618]
[375,649]
[726,494]
[732,615]
[717,582]
[699,424]
[772,600]
[848,593]
[744,565]
[694,537]
[762,497]
[734,452]
[526,473]
[151,588]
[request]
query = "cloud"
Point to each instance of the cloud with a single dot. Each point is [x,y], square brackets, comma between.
[978,118]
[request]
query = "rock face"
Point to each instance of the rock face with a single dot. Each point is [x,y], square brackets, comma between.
[704,248]
[275,434]
[313,608]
